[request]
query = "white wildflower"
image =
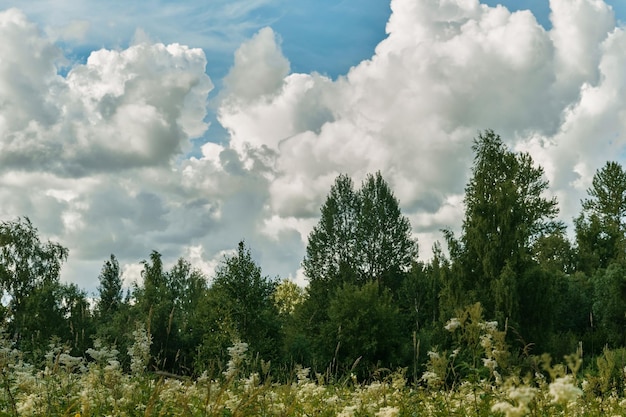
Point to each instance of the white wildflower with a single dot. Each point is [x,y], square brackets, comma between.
[237,354]
[139,352]
[452,324]
[28,405]
[490,363]
[433,354]
[70,362]
[302,374]
[486,341]
[388,412]
[348,411]
[431,378]
[490,326]
[563,390]
[522,396]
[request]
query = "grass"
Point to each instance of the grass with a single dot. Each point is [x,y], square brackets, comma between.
[477,378]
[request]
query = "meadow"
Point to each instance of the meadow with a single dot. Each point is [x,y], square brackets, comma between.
[476,378]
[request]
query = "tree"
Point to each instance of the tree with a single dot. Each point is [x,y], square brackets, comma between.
[59,311]
[610,303]
[601,226]
[26,264]
[240,307]
[361,236]
[110,289]
[506,213]
[155,306]
[384,243]
[331,253]
[363,331]
[188,287]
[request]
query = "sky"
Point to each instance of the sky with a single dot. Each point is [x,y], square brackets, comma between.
[185,127]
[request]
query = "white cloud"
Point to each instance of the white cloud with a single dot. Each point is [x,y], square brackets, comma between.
[447,70]
[95,158]
[122,109]
[259,69]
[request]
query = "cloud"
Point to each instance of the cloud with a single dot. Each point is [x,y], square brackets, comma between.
[96,157]
[446,70]
[259,69]
[122,109]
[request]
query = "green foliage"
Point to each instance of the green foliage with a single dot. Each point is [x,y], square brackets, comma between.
[610,303]
[287,296]
[506,215]
[169,304]
[110,289]
[56,311]
[331,253]
[361,236]
[362,333]
[385,247]
[26,265]
[240,306]
[600,228]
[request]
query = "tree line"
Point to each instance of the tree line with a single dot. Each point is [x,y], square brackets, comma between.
[370,304]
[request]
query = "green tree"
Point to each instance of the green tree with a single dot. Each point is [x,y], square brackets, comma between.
[110,289]
[155,306]
[188,287]
[361,236]
[385,246]
[610,303]
[240,307]
[55,311]
[331,253]
[506,213]
[26,264]
[170,304]
[363,331]
[601,227]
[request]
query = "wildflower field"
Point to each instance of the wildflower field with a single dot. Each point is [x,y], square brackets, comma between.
[475,379]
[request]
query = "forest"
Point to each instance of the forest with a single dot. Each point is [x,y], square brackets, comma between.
[370,306]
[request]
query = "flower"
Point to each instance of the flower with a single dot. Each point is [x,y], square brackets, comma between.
[237,353]
[433,354]
[139,352]
[452,324]
[520,395]
[490,363]
[431,378]
[563,390]
[388,412]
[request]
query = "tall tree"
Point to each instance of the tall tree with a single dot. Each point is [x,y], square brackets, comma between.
[155,306]
[240,307]
[506,212]
[384,242]
[110,289]
[331,253]
[188,287]
[26,263]
[361,236]
[601,226]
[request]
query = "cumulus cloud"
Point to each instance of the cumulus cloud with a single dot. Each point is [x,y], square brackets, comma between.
[446,70]
[259,69]
[101,149]
[122,109]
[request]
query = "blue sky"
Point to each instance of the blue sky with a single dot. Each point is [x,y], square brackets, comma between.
[127,127]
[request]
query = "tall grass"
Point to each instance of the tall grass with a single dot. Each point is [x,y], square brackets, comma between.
[480,376]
